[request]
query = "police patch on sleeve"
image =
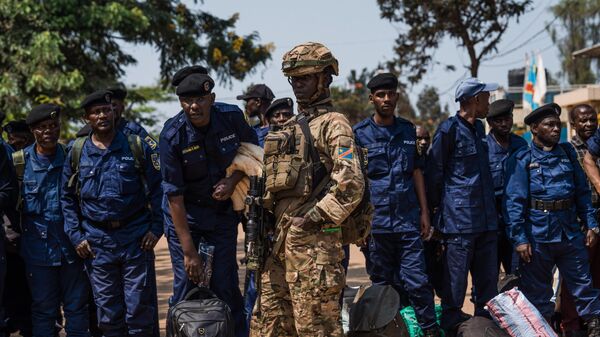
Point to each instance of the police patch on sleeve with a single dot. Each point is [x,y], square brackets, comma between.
[151,142]
[155,161]
[345,153]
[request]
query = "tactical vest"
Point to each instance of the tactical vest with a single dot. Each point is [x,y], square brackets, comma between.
[288,166]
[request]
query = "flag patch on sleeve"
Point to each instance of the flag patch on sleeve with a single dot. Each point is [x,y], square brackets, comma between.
[345,153]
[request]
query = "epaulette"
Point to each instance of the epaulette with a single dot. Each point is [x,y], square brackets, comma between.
[522,152]
[173,125]
[134,127]
[224,107]
[361,124]
[446,125]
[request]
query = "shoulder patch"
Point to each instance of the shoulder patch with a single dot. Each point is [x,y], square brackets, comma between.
[151,142]
[345,153]
[155,161]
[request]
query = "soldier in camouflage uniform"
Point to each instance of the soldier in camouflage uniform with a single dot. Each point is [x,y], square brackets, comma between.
[303,277]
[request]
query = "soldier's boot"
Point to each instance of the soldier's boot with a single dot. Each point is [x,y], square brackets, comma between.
[577,333]
[432,332]
[593,326]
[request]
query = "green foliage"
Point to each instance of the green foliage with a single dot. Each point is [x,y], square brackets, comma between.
[580,28]
[59,50]
[476,25]
[430,109]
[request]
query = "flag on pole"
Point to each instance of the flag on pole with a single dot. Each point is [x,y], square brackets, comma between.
[530,68]
[539,89]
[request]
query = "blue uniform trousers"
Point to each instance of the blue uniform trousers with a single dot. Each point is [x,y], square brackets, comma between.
[398,259]
[120,278]
[224,281]
[571,258]
[52,285]
[464,253]
[250,295]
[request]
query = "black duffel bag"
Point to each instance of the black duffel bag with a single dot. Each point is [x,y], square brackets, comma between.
[200,314]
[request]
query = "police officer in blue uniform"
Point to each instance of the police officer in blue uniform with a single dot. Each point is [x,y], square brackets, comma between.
[55,273]
[546,193]
[501,144]
[128,127]
[461,193]
[196,146]
[258,98]
[401,216]
[8,198]
[111,202]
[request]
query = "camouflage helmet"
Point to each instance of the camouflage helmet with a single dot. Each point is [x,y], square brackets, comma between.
[308,58]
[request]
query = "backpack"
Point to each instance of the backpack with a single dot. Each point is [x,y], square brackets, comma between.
[376,313]
[358,224]
[135,145]
[200,314]
[480,327]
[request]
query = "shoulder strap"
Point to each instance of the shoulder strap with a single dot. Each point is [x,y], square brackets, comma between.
[319,170]
[19,164]
[75,158]
[137,149]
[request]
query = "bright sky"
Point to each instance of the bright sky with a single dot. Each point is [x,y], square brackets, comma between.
[358,38]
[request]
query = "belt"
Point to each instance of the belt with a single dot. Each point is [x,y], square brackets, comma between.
[115,224]
[551,205]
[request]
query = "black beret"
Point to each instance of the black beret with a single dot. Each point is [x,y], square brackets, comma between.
[84,131]
[384,80]
[195,85]
[16,126]
[185,72]
[542,112]
[279,104]
[501,107]
[118,92]
[99,97]
[41,113]
[257,91]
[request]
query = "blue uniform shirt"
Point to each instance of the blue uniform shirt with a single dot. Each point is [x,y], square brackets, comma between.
[261,133]
[43,241]
[459,181]
[546,175]
[498,156]
[194,160]
[111,189]
[392,158]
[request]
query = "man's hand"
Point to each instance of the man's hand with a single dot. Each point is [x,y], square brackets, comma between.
[84,250]
[590,238]
[426,230]
[149,241]
[224,189]
[193,266]
[524,251]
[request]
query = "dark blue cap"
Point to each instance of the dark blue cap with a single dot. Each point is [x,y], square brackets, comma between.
[470,87]
[99,97]
[41,113]
[195,85]
[542,112]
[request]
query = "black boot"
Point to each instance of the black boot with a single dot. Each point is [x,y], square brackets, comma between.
[593,326]
[432,332]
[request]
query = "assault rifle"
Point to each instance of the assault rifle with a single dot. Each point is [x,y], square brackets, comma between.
[257,232]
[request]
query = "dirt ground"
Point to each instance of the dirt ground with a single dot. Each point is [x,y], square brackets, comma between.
[164,273]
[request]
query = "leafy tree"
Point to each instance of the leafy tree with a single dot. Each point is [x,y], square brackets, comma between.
[59,50]
[477,26]
[353,101]
[404,108]
[430,109]
[580,28]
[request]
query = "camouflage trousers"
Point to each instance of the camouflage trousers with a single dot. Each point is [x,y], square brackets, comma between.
[301,287]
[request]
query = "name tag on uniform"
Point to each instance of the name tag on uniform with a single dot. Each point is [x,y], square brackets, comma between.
[191,148]
[534,165]
[226,138]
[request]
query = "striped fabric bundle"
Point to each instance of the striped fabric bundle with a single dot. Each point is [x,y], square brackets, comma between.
[517,316]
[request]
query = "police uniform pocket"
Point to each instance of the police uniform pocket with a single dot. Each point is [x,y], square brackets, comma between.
[32,202]
[377,158]
[88,183]
[194,165]
[128,178]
